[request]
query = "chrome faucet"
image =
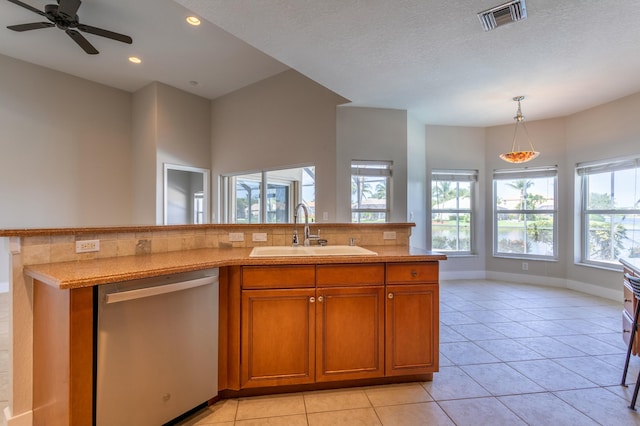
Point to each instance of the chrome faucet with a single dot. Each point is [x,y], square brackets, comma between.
[307,236]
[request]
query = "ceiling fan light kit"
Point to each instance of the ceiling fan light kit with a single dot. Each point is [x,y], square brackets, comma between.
[517,155]
[64,16]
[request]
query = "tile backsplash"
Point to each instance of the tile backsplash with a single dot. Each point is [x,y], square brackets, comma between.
[59,245]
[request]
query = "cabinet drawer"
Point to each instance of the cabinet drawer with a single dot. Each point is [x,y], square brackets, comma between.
[627,326]
[399,273]
[628,300]
[340,275]
[288,276]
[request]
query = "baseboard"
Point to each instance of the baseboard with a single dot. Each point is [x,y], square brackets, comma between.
[462,275]
[527,279]
[24,419]
[596,290]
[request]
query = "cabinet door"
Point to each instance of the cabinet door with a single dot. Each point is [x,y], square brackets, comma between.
[349,333]
[412,329]
[277,337]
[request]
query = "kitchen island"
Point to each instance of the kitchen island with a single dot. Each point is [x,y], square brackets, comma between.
[285,323]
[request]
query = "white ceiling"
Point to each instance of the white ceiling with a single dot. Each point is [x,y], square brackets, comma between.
[172,51]
[430,57]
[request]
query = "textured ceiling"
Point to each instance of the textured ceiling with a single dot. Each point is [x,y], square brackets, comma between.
[429,57]
[434,59]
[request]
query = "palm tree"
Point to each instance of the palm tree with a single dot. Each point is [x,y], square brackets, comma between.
[521,185]
[443,191]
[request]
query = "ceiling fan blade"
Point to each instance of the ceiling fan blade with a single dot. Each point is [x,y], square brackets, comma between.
[69,8]
[26,6]
[32,26]
[82,42]
[105,33]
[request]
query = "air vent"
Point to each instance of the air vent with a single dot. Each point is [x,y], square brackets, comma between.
[504,14]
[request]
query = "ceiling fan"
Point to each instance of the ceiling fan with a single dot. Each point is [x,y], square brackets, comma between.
[64,16]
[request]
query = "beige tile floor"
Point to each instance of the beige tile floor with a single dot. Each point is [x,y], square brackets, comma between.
[511,354]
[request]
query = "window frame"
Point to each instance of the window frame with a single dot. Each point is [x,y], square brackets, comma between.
[372,168]
[582,172]
[457,176]
[294,188]
[526,173]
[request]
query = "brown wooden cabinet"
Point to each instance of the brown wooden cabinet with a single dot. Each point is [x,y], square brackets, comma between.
[349,333]
[411,329]
[412,318]
[273,331]
[62,355]
[301,335]
[278,329]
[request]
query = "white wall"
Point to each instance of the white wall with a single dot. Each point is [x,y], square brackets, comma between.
[64,151]
[460,148]
[281,122]
[604,132]
[144,157]
[170,126]
[183,134]
[548,137]
[417,190]
[371,134]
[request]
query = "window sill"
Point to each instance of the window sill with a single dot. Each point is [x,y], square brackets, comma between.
[612,268]
[528,258]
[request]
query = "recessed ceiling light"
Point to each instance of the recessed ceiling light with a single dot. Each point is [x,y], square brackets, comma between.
[192,20]
[135,60]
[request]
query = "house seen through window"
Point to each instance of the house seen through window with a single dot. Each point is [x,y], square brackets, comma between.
[452,210]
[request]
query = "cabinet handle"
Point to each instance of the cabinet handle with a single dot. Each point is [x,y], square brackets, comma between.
[312,299]
[390,295]
[626,331]
[320,298]
[627,300]
[414,273]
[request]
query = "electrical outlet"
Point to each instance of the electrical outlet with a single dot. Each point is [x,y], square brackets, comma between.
[86,246]
[525,266]
[236,236]
[389,235]
[259,236]
[325,215]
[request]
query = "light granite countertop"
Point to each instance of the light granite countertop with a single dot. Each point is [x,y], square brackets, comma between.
[86,273]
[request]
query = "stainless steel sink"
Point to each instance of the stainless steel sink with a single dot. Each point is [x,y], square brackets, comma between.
[283,251]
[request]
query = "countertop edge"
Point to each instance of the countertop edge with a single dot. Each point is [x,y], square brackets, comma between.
[89,273]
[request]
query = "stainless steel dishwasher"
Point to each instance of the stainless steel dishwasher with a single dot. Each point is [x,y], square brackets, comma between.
[157,348]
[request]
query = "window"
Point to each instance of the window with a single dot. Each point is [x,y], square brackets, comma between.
[525,213]
[245,201]
[451,210]
[610,211]
[370,187]
[198,207]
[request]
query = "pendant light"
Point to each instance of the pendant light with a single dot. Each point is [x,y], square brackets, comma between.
[516,155]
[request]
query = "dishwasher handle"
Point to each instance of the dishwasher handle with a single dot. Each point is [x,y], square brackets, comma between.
[140,293]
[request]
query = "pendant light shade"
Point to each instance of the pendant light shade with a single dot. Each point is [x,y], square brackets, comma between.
[517,155]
